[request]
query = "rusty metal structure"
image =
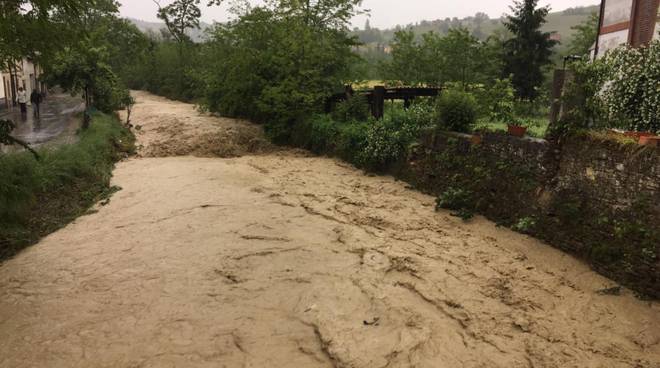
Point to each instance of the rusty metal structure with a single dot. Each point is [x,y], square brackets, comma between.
[632,22]
[380,94]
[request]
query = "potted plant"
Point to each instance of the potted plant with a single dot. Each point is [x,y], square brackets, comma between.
[518,128]
[649,140]
[638,135]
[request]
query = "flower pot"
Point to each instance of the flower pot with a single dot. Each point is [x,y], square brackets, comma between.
[476,140]
[638,135]
[651,141]
[517,130]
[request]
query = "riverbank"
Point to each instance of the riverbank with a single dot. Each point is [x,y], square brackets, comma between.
[38,197]
[278,258]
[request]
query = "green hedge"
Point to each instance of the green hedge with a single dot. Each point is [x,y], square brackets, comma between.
[372,144]
[38,197]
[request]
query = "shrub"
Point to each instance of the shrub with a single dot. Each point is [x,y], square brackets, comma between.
[499,99]
[36,197]
[458,200]
[317,134]
[352,109]
[351,140]
[619,90]
[631,93]
[456,111]
[388,139]
[525,225]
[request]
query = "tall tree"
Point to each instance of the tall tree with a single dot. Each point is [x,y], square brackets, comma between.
[530,49]
[585,36]
[182,15]
[404,65]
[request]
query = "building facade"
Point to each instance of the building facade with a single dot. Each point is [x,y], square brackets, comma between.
[3,98]
[24,74]
[632,22]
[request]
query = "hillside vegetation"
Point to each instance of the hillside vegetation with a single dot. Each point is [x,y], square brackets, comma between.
[481,25]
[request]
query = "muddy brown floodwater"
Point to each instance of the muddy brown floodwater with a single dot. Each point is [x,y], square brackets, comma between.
[280,259]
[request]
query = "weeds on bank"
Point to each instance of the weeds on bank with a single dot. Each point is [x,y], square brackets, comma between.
[38,197]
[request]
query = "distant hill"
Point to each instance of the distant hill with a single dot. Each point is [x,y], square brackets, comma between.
[197,35]
[482,26]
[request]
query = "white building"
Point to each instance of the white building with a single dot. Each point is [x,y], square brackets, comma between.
[24,74]
[632,22]
[3,98]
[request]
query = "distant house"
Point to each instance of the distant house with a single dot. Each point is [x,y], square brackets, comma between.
[632,22]
[24,73]
[3,96]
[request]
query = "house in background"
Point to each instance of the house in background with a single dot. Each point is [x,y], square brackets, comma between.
[3,96]
[632,22]
[23,73]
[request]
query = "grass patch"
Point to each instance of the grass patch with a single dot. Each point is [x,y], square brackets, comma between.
[537,126]
[39,197]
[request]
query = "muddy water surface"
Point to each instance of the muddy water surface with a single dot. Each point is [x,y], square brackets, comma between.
[274,258]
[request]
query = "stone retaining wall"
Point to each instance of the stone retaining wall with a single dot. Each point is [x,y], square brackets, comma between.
[595,198]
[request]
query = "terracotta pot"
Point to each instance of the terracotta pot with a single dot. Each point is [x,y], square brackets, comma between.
[517,130]
[476,139]
[652,141]
[638,135]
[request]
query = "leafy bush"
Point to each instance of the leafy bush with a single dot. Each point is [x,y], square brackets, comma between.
[631,92]
[458,200]
[352,109]
[584,109]
[619,90]
[457,111]
[525,225]
[388,139]
[499,99]
[317,134]
[36,197]
[351,140]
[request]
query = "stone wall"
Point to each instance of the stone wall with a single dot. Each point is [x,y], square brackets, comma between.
[596,198]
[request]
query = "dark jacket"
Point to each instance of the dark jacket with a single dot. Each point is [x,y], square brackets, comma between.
[35,97]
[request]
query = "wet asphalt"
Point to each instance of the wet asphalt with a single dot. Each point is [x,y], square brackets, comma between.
[56,121]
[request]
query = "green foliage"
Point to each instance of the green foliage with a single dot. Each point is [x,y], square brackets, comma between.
[38,196]
[529,51]
[277,63]
[435,60]
[619,90]
[388,139]
[374,144]
[525,225]
[84,70]
[457,111]
[458,200]
[585,36]
[6,127]
[352,109]
[499,99]
[632,91]
[39,28]
[182,15]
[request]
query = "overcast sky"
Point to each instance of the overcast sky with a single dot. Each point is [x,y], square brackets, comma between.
[384,13]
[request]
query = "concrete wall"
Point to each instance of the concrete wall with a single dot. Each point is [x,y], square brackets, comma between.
[595,198]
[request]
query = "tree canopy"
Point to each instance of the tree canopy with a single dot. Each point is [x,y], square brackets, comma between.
[530,49]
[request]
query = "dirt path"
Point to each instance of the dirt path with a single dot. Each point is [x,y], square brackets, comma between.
[286,260]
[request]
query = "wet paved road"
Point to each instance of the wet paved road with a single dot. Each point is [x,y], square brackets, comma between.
[56,123]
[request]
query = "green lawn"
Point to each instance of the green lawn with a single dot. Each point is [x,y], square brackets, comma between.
[536,129]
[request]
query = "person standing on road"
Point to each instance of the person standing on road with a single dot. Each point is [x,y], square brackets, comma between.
[35,99]
[22,100]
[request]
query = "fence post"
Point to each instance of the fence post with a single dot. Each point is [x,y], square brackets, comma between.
[378,103]
[557,91]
